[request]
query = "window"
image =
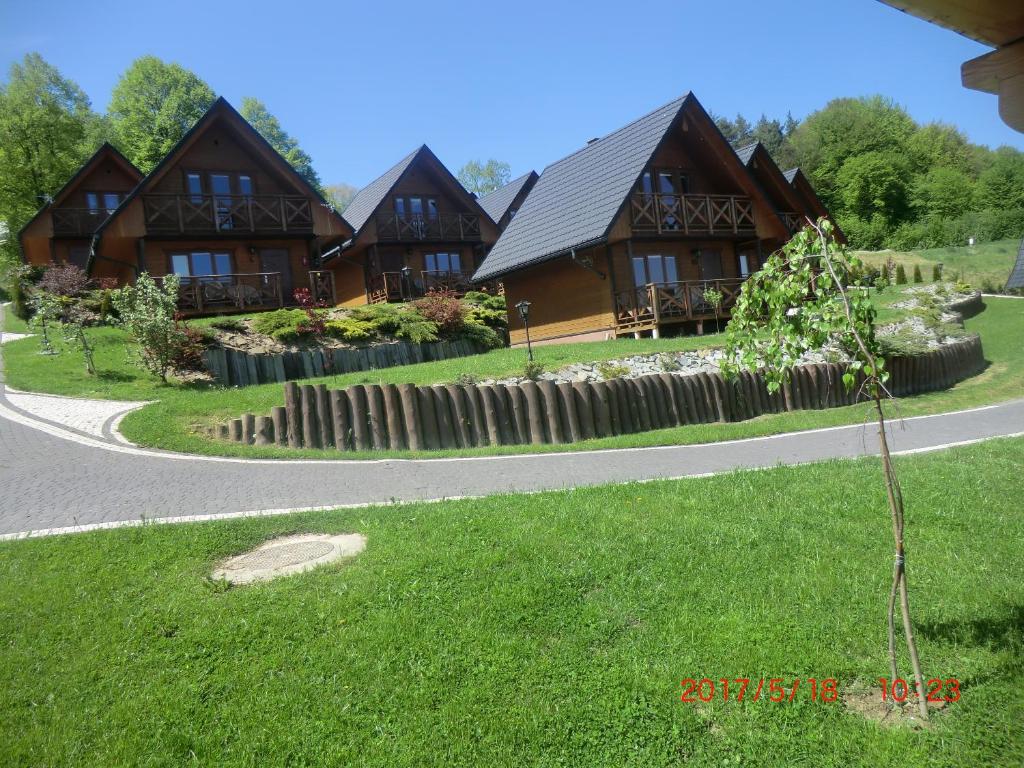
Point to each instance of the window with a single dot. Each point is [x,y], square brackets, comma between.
[664,181]
[245,186]
[194,182]
[102,201]
[443,262]
[201,263]
[654,269]
[744,265]
[416,207]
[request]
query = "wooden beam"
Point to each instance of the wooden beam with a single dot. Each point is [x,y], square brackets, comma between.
[1000,72]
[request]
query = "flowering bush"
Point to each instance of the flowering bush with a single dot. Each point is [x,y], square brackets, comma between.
[443,309]
[316,313]
[148,311]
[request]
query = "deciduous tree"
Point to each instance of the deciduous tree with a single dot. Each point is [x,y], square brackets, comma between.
[153,106]
[481,178]
[269,127]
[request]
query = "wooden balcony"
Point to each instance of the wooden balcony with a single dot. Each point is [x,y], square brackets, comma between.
[226,215]
[81,222]
[692,214]
[794,221]
[444,227]
[394,286]
[655,304]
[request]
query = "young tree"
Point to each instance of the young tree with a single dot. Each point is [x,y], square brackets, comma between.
[153,105]
[481,178]
[147,311]
[259,117]
[47,130]
[805,297]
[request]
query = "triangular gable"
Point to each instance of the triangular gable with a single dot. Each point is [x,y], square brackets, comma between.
[578,199]
[809,198]
[221,109]
[369,199]
[107,151]
[757,157]
[497,203]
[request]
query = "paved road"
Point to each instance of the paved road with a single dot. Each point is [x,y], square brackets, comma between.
[54,478]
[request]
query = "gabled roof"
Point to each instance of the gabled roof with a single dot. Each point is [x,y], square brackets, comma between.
[366,202]
[577,198]
[747,153]
[369,198]
[106,150]
[497,203]
[221,108]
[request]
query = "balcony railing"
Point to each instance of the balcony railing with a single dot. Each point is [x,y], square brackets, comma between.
[794,221]
[219,293]
[692,214]
[321,287]
[454,227]
[227,214]
[77,221]
[394,286]
[656,303]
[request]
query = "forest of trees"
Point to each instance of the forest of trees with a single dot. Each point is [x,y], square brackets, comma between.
[891,182]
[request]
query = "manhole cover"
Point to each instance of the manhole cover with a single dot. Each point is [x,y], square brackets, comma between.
[287,555]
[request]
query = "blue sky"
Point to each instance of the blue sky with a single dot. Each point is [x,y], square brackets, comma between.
[360,84]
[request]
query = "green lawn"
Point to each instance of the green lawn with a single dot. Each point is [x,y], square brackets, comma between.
[173,421]
[547,629]
[986,265]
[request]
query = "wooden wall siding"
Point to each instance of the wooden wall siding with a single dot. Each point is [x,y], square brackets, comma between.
[232,368]
[400,417]
[107,176]
[349,282]
[565,299]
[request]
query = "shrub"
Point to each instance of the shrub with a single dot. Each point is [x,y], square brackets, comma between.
[611,371]
[481,335]
[417,330]
[189,354]
[64,280]
[493,318]
[917,274]
[148,313]
[230,324]
[901,275]
[316,313]
[443,309]
[350,330]
[466,379]
[669,364]
[885,277]
[282,324]
[485,301]
[397,320]
[533,370]
[936,273]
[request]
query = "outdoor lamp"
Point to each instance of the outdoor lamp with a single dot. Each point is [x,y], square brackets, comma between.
[523,308]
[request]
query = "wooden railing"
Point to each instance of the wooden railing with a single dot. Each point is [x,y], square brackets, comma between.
[692,214]
[205,214]
[443,226]
[321,286]
[394,286]
[655,303]
[77,221]
[794,221]
[244,292]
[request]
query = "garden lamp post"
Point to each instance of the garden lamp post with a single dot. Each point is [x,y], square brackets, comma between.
[406,283]
[524,312]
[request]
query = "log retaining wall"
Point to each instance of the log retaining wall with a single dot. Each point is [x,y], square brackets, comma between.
[399,417]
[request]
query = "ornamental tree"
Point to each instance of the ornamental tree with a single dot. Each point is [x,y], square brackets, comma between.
[147,311]
[807,296]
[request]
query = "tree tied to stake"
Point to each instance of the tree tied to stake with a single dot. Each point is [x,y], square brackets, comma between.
[810,295]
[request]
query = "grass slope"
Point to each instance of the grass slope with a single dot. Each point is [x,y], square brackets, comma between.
[549,629]
[984,265]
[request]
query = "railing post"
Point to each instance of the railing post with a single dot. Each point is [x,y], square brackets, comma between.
[284,221]
[181,216]
[248,208]
[652,296]
[279,289]
[461,235]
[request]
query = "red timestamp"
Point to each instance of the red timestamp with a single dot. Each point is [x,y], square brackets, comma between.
[936,690]
[774,689]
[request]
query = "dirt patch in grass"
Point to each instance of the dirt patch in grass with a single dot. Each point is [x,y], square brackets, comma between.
[867,702]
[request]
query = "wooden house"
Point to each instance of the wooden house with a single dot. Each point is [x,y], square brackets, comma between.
[417,229]
[650,228]
[227,214]
[61,232]
[502,204]
[809,198]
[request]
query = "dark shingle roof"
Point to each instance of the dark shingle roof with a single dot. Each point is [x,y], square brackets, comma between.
[1017,275]
[372,195]
[577,198]
[496,203]
[747,152]
[791,174]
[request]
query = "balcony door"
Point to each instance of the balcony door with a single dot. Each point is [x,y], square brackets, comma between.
[277,260]
[710,264]
[655,269]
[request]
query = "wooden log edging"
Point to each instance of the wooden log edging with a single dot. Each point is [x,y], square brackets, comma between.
[373,417]
[968,307]
[234,368]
